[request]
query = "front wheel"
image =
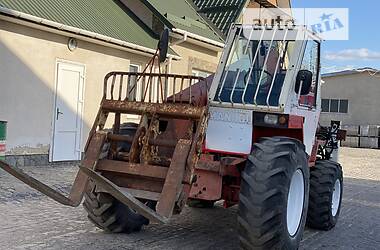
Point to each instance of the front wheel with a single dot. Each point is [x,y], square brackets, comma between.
[274,195]
[326,190]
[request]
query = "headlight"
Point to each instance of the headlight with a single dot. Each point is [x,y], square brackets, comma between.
[271,119]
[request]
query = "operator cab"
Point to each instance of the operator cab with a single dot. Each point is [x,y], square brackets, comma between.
[275,71]
[255,72]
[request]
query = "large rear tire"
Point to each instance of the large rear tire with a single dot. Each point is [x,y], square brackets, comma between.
[326,191]
[274,195]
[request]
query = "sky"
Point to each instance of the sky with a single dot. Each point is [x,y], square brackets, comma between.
[363,47]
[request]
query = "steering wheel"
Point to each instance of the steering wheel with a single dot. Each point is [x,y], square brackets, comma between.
[266,80]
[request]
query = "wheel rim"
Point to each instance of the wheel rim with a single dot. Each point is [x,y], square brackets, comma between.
[335,203]
[295,202]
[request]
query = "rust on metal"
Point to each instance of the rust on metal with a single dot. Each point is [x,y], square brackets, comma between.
[231,161]
[135,182]
[211,166]
[124,197]
[79,186]
[152,141]
[163,152]
[142,194]
[132,168]
[116,129]
[134,153]
[208,185]
[174,178]
[147,151]
[196,147]
[173,110]
[183,88]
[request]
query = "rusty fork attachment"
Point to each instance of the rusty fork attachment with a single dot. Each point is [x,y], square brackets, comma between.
[160,161]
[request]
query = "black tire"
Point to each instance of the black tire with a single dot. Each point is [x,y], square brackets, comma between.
[262,214]
[128,128]
[200,203]
[104,210]
[109,214]
[322,181]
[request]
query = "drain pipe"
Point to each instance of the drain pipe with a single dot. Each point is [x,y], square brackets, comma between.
[184,39]
[198,37]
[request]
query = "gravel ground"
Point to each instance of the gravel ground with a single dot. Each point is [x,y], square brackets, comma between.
[29,220]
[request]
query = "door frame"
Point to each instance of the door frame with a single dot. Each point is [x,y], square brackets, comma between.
[54,106]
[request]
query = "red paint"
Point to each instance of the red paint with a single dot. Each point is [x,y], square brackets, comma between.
[307,100]
[295,121]
[208,185]
[206,150]
[314,152]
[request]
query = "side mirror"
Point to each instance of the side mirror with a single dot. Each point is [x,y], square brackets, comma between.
[163,45]
[304,77]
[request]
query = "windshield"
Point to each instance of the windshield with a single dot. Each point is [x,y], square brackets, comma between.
[255,70]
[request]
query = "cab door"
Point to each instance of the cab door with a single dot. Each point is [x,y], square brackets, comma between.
[308,106]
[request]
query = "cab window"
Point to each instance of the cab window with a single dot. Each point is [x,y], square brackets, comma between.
[310,62]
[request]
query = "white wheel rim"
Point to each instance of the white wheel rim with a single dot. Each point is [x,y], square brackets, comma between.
[296,197]
[335,202]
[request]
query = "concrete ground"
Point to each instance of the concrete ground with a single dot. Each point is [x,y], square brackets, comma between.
[29,220]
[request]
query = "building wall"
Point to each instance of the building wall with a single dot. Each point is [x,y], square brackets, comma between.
[362,92]
[28,67]
[194,57]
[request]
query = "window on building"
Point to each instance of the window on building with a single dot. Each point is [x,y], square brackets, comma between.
[343,106]
[325,105]
[335,106]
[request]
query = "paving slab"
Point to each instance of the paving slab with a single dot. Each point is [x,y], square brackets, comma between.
[28,220]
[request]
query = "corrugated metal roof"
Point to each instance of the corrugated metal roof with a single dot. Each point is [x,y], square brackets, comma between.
[106,17]
[183,16]
[221,12]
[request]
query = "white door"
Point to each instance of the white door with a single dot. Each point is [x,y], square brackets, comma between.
[68,112]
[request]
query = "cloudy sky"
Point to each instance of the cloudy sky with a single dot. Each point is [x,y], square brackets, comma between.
[363,47]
